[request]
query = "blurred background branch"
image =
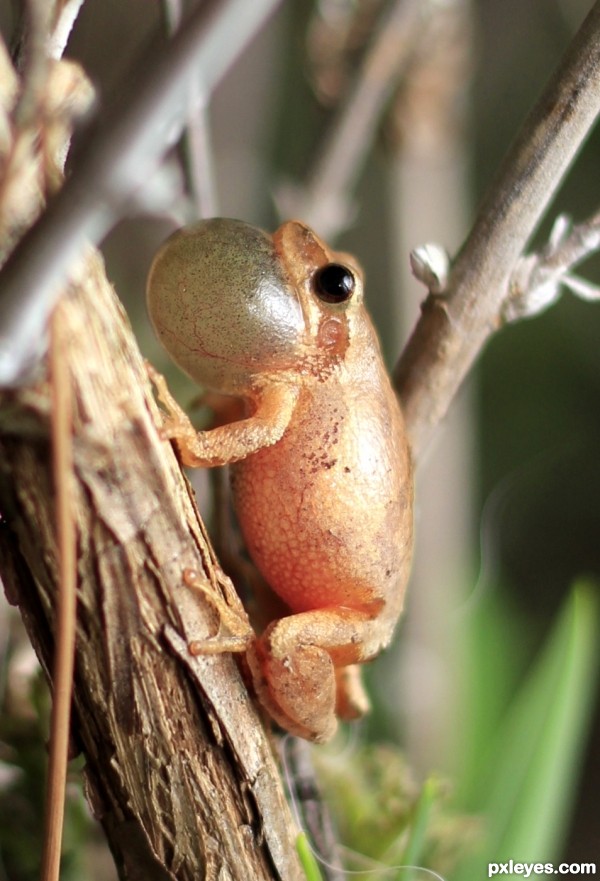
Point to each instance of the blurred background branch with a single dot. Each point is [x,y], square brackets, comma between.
[454,327]
[194,146]
[116,157]
[325,198]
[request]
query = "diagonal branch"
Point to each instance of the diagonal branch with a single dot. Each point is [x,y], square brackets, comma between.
[118,155]
[322,200]
[537,280]
[454,327]
[195,148]
[178,766]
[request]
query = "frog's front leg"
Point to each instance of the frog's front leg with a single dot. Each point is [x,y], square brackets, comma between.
[298,669]
[274,405]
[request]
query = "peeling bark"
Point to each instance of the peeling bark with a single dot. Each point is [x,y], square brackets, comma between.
[178,768]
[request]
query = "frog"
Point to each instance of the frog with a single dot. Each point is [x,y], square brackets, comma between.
[320,462]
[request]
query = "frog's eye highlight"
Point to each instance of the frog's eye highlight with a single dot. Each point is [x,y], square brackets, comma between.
[334,283]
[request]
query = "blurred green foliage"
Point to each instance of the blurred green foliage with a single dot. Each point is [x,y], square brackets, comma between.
[522,763]
[386,819]
[524,727]
[24,720]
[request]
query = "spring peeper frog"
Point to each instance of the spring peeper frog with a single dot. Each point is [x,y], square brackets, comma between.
[321,474]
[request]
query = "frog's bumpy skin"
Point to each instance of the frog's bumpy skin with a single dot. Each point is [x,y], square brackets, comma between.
[322,480]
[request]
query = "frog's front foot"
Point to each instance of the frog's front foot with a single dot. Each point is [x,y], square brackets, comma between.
[175,422]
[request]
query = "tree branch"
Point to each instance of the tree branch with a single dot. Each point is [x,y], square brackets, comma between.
[178,767]
[63,25]
[454,326]
[118,155]
[323,200]
[158,734]
[195,148]
[536,282]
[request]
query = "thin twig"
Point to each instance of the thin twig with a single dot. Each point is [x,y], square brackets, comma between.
[324,200]
[62,463]
[172,13]
[582,241]
[63,26]
[32,62]
[538,278]
[310,811]
[195,146]
[453,328]
[118,156]
[198,157]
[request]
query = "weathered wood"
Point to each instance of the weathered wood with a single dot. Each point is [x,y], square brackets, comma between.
[178,767]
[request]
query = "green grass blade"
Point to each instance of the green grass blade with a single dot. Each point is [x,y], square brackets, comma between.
[539,746]
[561,693]
[413,853]
[307,858]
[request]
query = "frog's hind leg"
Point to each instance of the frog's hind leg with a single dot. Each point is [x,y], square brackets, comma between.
[295,664]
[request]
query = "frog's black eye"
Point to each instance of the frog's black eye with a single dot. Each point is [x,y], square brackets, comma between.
[334,283]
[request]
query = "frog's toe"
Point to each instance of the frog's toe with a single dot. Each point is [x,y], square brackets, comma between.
[352,701]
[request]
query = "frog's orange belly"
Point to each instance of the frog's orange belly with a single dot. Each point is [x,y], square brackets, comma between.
[329,528]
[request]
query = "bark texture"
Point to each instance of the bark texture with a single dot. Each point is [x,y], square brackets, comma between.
[178,768]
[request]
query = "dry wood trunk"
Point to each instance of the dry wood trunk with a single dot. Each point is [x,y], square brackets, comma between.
[178,768]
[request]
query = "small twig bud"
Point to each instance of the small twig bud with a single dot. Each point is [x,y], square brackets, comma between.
[430,264]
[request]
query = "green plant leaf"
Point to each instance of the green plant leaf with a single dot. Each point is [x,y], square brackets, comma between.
[535,757]
[307,858]
[413,853]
